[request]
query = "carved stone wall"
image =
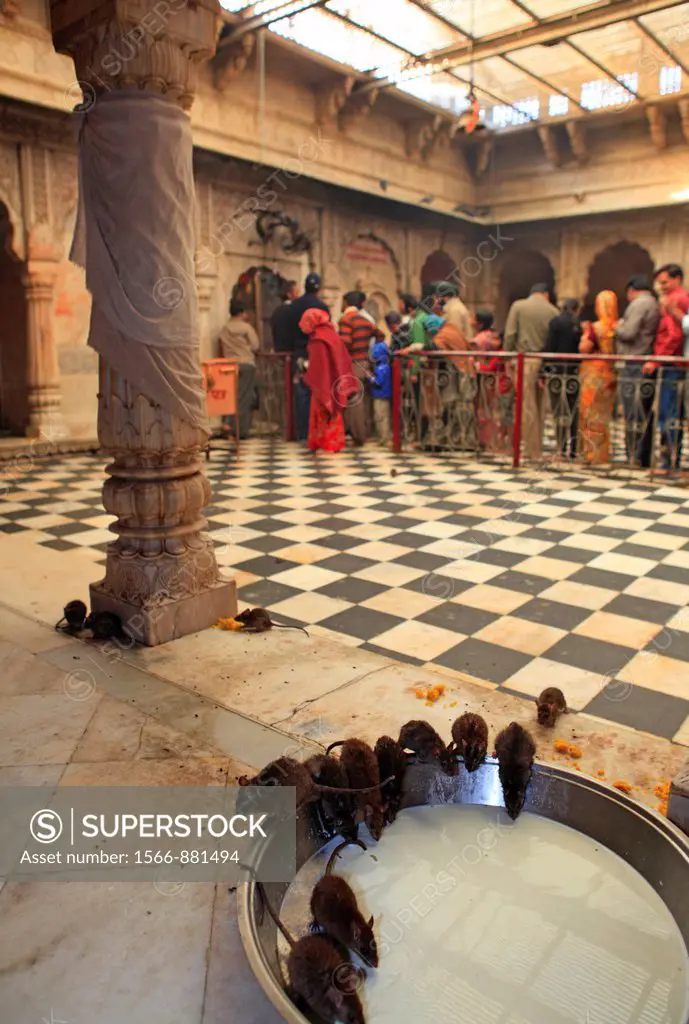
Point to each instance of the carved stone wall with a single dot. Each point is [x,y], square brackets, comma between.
[228,197]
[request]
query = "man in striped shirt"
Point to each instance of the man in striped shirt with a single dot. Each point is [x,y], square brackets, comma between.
[358,330]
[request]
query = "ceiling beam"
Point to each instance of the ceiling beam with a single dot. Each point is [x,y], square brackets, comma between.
[603,69]
[472,39]
[650,34]
[408,53]
[550,30]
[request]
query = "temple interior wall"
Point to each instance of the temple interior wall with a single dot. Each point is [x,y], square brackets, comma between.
[381,199]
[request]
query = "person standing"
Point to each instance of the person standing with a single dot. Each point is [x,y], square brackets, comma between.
[281,320]
[298,347]
[635,335]
[453,310]
[329,379]
[358,331]
[562,377]
[239,342]
[401,335]
[597,377]
[674,306]
[526,331]
[381,390]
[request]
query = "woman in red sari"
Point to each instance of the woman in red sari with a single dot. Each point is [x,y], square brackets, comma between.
[330,377]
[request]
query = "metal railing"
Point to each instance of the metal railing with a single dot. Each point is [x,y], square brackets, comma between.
[596,411]
[274,415]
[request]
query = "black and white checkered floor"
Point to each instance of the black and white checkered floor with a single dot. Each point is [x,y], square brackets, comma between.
[521,579]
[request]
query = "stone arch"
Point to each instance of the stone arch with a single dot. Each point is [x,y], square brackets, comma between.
[260,287]
[612,267]
[378,303]
[439,266]
[519,273]
[13,331]
[369,263]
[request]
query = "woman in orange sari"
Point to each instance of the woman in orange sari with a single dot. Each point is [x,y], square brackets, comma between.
[598,383]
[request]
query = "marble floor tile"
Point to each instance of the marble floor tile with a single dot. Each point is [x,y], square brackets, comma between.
[520,635]
[618,629]
[44,728]
[580,685]
[109,953]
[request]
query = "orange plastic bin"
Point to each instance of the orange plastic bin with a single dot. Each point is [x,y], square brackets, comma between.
[221,384]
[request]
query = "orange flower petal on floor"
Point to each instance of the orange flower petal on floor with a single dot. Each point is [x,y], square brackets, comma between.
[230,625]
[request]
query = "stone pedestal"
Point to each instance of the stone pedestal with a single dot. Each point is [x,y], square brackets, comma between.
[161,578]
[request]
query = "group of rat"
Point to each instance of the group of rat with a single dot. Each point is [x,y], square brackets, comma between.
[107,626]
[367,784]
[103,625]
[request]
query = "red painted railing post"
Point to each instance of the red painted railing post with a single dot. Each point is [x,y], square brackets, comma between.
[518,406]
[289,404]
[396,405]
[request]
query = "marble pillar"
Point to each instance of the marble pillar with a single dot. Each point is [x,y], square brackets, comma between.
[42,379]
[205,287]
[161,577]
[43,255]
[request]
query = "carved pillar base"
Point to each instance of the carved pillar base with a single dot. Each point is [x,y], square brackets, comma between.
[174,619]
[161,578]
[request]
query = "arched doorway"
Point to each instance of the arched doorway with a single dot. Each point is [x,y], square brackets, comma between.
[378,304]
[14,410]
[260,288]
[439,266]
[518,276]
[611,269]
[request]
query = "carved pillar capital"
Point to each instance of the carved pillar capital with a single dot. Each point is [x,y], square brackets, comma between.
[137,44]
[39,280]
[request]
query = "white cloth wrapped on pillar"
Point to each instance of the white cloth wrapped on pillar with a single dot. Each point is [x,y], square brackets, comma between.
[135,239]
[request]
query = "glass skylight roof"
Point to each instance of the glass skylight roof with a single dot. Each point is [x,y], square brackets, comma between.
[426,49]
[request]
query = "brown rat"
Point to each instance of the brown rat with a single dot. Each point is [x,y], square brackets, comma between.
[426,744]
[287,772]
[391,762]
[361,765]
[515,751]
[336,912]
[257,620]
[550,705]
[470,738]
[339,808]
[320,974]
[73,617]
[105,626]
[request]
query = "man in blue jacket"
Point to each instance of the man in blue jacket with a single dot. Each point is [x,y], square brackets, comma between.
[381,390]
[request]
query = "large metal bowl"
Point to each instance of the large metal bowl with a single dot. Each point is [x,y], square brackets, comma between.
[646,840]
